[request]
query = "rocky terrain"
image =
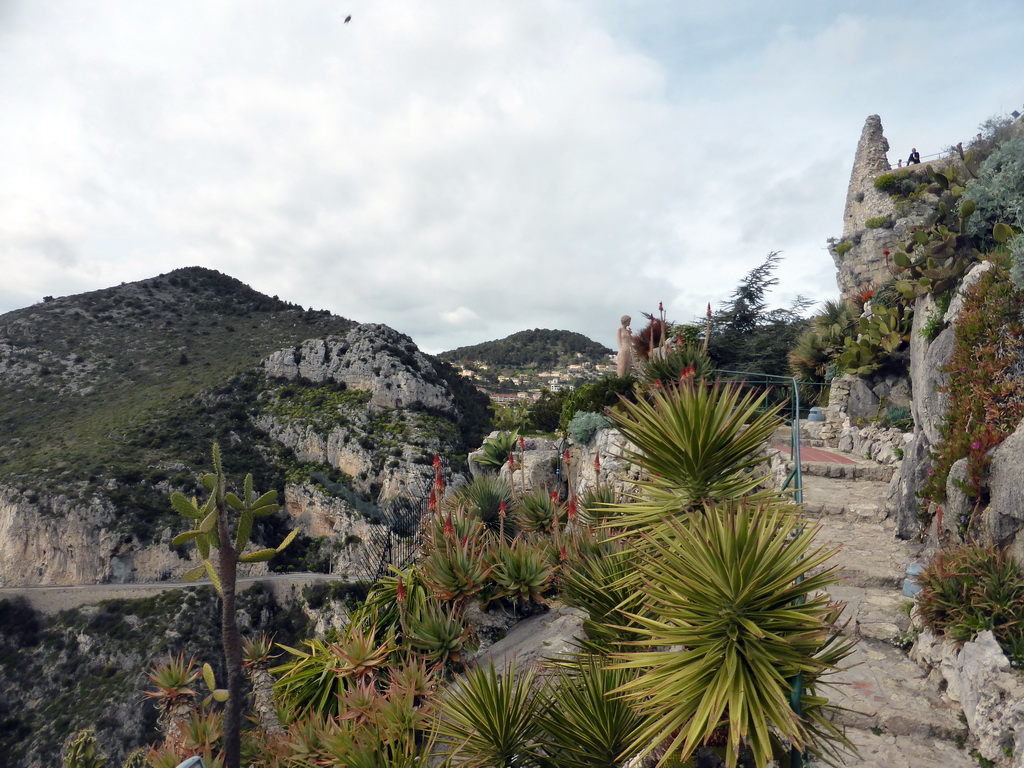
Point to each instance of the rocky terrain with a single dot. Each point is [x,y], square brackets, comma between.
[340,418]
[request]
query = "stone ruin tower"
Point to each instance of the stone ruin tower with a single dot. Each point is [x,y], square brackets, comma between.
[863,267]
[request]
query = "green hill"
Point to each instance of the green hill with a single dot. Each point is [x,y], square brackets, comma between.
[539,348]
[118,394]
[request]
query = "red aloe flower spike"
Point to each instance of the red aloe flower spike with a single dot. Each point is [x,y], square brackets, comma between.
[432,504]
[449,529]
[563,555]
[572,507]
[502,510]
[554,496]
[511,460]
[597,463]
[709,310]
[401,590]
[522,443]
[661,307]
[565,458]
[437,461]
[439,482]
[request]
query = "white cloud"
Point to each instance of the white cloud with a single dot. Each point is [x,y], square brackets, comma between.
[462,171]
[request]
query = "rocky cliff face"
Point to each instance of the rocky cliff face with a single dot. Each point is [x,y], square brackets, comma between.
[372,358]
[859,257]
[57,540]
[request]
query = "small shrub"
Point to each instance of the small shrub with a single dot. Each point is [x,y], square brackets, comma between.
[843,248]
[878,222]
[971,589]
[585,425]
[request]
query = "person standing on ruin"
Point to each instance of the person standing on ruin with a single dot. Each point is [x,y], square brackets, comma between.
[915,157]
[624,362]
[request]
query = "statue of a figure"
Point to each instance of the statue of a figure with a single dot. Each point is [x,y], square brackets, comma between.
[624,362]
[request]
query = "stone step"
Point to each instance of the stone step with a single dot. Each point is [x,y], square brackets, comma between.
[867,470]
[881,749]
[881,688]
[853,499]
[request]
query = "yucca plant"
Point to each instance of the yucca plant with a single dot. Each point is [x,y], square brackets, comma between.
[600,582]
[522,571]
[314,680]
[491,719]
[457,569]
[587,724]
[537,511]
[386,603]
[696,442]
[437,633]
[594,500]
[728,587]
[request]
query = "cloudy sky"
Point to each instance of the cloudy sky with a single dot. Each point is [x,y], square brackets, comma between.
[463,169]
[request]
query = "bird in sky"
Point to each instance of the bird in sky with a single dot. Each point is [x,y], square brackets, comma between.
[348,19]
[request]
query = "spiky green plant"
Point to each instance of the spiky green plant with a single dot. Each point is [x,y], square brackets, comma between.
[211,531]
[535,512]
[482,497]
[81,750]
[728,587]
[672,364]
[587,724]
[135,759]
[491,719]
[695,442]
[437,633]
[522,571]
[599,581]
[390,599]
[174,694]
[496,450]
[456,569]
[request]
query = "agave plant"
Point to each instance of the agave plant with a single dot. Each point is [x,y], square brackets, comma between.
[496,450]
[696,442]
[522,571]
[587,725]
[728,586]
[492,719]
[174,695]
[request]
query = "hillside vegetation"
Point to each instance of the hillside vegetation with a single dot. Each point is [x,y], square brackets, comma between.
[539,348]
[117,394]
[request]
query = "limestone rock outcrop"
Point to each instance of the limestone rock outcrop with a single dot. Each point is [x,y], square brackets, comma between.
[56,541]
[861,263]
[372,358]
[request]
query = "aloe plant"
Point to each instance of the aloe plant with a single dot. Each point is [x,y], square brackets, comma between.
[456,569]
[522,571]
[537,511]
[496,450]
[436,633]
[82,751]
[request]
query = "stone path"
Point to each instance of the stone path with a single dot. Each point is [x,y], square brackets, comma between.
[894,712]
